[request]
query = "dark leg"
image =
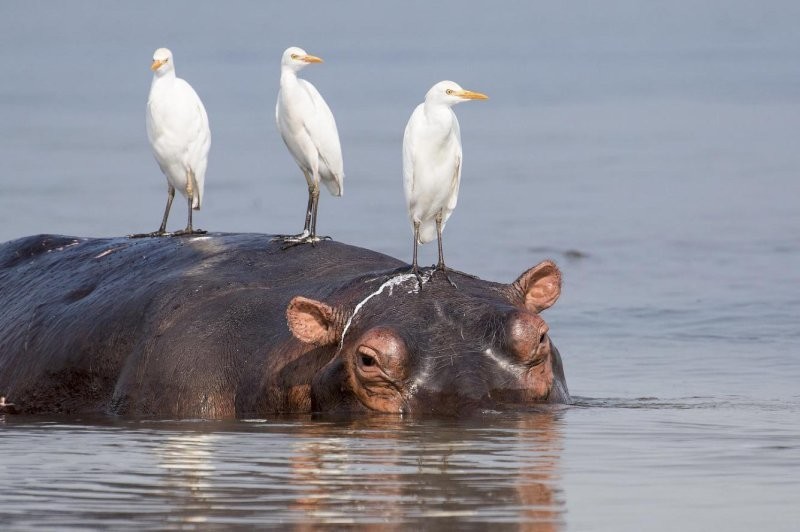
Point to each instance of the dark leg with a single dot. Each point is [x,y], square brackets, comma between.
[414,264]
[191,186]
[301,238]
[314,238]
[309,213]
[189,227]
[308,236]
[170,197]
[290,241]
[440,266]
[162,231]
[314,206]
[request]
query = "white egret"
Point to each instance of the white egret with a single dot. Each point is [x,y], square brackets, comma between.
[432,163]
[177,127]
[307,126]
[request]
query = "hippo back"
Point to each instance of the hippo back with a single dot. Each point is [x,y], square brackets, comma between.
[164,326]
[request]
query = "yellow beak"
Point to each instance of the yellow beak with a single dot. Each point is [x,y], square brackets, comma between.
[157,64]
[311,59]
[470,95]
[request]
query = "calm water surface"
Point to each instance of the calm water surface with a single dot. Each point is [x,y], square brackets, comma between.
[651,149]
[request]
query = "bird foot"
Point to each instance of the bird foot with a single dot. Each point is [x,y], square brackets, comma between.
[150,235]
[290,241]
[444,269]
[459,272]
[188,231]
[291,238]
[415,271]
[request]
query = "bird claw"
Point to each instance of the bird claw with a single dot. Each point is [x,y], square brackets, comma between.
[459,272]
[150,235]
[443,269]
[188,231]
[454,285]
[290,241]
[415,271]
[290,238]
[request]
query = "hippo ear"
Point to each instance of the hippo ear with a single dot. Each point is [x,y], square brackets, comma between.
[313,322]
[540,286]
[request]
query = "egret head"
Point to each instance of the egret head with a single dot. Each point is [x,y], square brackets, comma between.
[451,93]
[162,62]
[295,59]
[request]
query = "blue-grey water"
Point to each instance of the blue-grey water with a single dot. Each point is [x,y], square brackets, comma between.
[651,148]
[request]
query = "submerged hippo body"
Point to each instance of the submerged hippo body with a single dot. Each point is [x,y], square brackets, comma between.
[231,325]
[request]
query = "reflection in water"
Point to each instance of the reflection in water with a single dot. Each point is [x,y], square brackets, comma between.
[507,471]
[385,473]
[540,498]
[187,473]
[390,472]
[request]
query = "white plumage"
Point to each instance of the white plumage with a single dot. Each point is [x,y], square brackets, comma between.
[308,128]
[178,130]
[432,162]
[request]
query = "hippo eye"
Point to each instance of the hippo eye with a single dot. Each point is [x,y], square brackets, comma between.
[527,338]
[367,357]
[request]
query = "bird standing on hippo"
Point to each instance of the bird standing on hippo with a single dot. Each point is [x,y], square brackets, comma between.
[432,157]
[242,325]
[179,134]
[231,326]
[308,129]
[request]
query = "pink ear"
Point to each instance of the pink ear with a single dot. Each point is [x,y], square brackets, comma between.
[540,286]
[313,322]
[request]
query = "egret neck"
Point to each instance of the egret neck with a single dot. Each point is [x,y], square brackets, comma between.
[439,115]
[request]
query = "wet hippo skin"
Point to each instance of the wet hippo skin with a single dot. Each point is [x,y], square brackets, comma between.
[231,325]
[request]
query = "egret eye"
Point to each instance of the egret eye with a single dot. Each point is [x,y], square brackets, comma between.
[294,56]
[449,91]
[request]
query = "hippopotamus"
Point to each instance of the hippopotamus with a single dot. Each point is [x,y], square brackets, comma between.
[236,325]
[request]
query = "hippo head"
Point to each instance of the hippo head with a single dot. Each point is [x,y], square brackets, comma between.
[438,349]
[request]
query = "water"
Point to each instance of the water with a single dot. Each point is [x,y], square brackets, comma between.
[650,149]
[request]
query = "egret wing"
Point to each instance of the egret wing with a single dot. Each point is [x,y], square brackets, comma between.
[321,127]
[409,162]
[456,179]
[198,135]
[197,131]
